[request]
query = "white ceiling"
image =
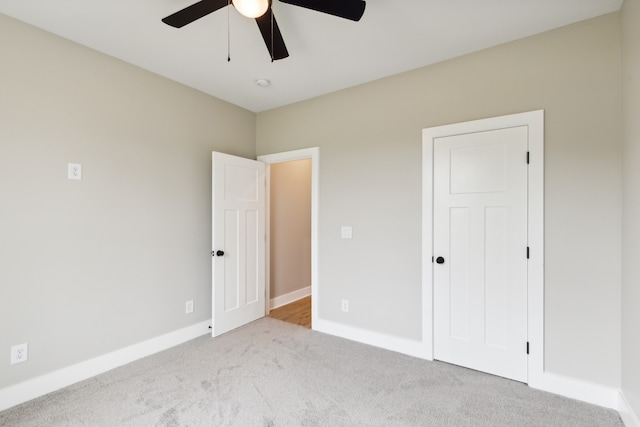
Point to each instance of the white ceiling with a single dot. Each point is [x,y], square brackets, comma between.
[326,53]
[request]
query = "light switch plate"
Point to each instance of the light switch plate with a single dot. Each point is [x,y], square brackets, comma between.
[346,232]
[74,171]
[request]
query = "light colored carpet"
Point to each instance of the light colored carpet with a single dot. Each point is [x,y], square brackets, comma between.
[271,373]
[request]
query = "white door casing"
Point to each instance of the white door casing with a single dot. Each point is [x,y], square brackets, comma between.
[238,242]
[479,241]
[534,123]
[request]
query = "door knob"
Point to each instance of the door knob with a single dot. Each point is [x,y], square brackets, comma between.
[219,253]
[440,260]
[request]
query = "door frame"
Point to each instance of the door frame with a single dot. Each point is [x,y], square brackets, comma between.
[288,156]
[534,120]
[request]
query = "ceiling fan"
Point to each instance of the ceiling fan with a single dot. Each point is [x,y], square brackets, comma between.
[261,11]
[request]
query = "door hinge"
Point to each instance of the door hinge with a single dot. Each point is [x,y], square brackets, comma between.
[527,157]
[527,347]
[527,252]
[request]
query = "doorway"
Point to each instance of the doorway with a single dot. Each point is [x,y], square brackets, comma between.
[311,155]
[290,241]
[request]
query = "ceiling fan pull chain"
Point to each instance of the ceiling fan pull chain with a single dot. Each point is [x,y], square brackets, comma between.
[228,30]
[272,46]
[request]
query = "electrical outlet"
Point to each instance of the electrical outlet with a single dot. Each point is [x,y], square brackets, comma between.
[19,353]
[345,305]
[74,171]
[189,307]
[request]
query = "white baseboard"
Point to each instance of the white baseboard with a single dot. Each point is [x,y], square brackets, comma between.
[629,417]
[388,342]
[573,388]
[289,298]
[585,391]
[569,387]
[47,383]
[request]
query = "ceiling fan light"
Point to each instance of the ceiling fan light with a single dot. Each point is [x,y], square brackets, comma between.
[251,8]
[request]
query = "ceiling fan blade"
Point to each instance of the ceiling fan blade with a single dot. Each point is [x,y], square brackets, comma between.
[194,12]
[348,9]
[279,50]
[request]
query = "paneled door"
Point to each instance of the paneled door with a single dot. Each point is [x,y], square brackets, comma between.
[480,251]
[238,241]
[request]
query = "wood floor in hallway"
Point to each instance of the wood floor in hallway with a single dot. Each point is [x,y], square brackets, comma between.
[298,312]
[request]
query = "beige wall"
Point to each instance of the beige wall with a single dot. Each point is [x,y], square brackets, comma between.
[93,266]
[290,227]
[631,204]
[370,178]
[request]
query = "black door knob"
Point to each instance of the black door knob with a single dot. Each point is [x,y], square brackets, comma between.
[219,253]
[440,260]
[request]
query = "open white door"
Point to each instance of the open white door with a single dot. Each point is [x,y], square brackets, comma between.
[238,242]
